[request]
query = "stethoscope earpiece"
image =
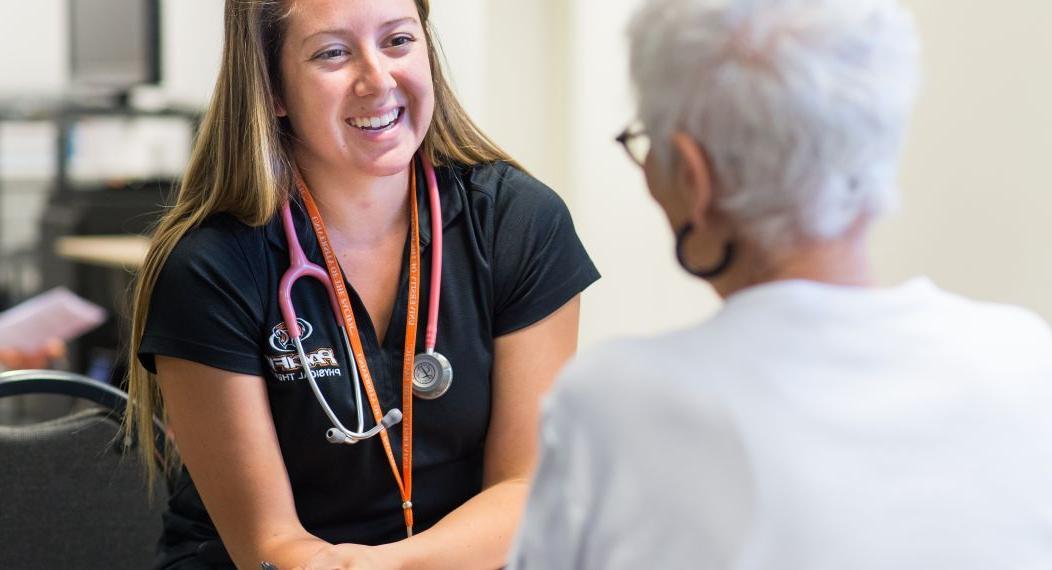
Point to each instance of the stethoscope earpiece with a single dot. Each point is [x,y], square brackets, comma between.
[334,435]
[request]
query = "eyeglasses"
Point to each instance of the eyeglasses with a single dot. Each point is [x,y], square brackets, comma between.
[636,142]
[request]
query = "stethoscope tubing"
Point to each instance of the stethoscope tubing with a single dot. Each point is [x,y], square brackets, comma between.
[431,334]
[300,266]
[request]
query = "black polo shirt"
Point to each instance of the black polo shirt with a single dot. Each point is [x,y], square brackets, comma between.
[511,257]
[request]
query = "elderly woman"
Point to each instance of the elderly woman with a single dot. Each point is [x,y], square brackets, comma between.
[817,421]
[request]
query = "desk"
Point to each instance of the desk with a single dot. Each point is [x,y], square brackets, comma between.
[117,252]
[107,262]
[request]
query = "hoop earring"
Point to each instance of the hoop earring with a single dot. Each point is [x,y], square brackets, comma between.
[709,273]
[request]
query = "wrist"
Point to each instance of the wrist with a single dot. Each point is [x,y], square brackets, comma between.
[291,552]
[399,555]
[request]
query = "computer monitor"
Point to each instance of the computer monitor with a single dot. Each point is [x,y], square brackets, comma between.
[114,44]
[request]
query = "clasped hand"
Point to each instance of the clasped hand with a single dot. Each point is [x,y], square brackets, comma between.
[351,557]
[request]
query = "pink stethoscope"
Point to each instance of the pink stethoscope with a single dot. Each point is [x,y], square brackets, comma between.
[432,372]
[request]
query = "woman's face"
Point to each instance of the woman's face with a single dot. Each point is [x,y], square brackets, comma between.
[357,83]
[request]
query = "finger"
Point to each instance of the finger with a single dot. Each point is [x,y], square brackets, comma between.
[55,349]
[35,360]
[11,358]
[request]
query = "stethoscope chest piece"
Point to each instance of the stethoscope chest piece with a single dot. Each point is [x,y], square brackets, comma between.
[432,375]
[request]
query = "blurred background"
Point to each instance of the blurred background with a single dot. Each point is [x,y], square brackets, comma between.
[99,100]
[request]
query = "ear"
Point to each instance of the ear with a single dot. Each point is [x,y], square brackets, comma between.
[279,102]
[694,177]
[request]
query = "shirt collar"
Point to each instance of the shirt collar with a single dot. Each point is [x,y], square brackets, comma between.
[450,196]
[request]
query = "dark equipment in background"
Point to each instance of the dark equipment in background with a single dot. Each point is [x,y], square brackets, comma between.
[115,45]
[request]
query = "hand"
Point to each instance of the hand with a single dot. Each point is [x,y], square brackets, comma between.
[351,557]
[39,358]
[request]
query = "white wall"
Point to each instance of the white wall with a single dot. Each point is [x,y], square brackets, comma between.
[33,45]
[192,37]
[462,33]
[977,187]
[508,65]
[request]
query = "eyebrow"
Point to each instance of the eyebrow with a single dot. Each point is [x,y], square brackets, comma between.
[347,31]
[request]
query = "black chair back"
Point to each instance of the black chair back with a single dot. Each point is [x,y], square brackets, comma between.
[72,491]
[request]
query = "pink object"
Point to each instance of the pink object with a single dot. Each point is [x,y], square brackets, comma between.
[431,336]
[299,266]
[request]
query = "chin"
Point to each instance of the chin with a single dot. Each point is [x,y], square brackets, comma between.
[385,168]
[389,163]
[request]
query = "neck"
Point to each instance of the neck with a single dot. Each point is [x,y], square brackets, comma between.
[843,261]
[358,210]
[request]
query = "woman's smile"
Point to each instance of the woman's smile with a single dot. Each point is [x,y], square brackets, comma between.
[378,123]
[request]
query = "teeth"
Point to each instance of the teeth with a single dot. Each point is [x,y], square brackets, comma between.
[376,122]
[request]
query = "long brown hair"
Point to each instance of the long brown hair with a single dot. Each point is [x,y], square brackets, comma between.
[241,164]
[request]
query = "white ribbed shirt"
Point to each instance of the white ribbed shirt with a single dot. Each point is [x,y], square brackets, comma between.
[804,426]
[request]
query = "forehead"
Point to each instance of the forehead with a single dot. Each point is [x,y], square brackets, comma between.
[310,16]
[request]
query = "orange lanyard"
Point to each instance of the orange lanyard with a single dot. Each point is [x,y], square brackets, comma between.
[405,479]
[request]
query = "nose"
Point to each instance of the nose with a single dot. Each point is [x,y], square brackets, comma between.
[374,76]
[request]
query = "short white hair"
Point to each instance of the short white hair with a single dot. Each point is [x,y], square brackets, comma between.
[800,105]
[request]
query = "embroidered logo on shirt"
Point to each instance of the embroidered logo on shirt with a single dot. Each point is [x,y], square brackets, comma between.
[281,340]
[289,367]
[321,358]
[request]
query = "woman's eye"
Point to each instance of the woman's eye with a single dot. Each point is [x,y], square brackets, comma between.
[332,53]
[401,41]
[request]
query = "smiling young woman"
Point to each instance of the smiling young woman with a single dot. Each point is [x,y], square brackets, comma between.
[338,108]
